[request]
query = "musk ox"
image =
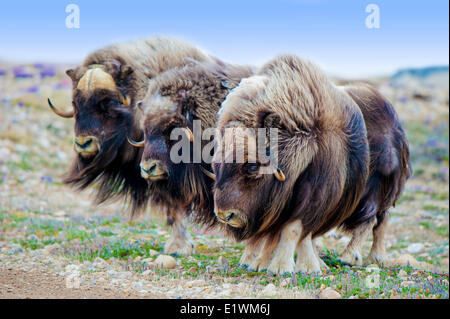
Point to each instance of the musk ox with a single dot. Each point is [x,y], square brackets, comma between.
[106,89]
[322,165]
[390,167]
[185,98]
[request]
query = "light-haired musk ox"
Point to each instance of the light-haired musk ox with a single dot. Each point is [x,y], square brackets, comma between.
[185,98]
[321,167]
[390,167]
[106,89]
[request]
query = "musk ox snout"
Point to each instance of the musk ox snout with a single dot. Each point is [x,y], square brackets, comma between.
[234,218]
[86,146]
[153,170]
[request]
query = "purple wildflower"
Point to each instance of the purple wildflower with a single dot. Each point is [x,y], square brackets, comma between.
[2,72]
[33,89]
[39,65]
[46,179]
[432,143]
[21,73]
[47,73]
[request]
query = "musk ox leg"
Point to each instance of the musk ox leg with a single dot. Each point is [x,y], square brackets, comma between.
[352,255]
[180,242]
[251,252]
[307,258]
[377,252]
[316,251]
[283,256]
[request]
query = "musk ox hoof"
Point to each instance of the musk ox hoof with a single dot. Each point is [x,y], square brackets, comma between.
[376,259]
[351,258]
[310,266]
[281,267]
[244,266]
[259,264]
[179,248]
[246,259]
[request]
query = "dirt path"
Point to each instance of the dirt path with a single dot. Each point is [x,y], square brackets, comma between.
[39,284]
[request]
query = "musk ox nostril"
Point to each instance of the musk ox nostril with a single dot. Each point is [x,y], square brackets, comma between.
[150,169]
[153,170]
[229,216]
[84,144]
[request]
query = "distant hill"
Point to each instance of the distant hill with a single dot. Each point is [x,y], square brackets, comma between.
[421,72]
[431,77]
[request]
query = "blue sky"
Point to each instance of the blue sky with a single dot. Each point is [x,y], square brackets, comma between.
[331,33]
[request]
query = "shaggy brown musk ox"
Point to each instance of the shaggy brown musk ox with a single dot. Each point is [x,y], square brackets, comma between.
[390,167]
[106,88]
[323,162]
[182,98]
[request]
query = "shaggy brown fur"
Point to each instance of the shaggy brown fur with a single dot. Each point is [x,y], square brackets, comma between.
[322,150]
[101,113]
[174,100]
[390,167]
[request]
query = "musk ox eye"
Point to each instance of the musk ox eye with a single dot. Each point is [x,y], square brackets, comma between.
[107,104]
[251,168]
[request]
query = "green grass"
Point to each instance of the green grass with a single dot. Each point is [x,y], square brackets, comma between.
[110,237]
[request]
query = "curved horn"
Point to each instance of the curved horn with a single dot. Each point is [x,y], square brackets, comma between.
[279,174]
[189,133]
[67,115]
[136,144]
[208,173]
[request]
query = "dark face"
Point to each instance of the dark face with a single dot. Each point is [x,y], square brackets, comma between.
[103,118]
[240,193]
[241,190]
[102,122]
[156,163]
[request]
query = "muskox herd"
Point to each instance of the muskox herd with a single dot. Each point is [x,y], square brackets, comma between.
[342,157]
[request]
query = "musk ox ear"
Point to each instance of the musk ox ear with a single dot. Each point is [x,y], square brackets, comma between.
[125,71]
[74,74]
[119,70]
[266,118]
[71,73]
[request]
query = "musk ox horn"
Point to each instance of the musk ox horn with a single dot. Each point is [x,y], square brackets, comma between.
[136,144]
[279,174]
[208,173]
[96,78]
[189,133]
[67,115]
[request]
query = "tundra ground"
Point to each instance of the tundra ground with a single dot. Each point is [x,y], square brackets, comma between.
[55,244]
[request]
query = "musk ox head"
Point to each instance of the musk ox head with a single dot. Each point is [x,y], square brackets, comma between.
[319,157]
[174,100]
[156,163]
[249,183]
[160,125]
[103,116]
